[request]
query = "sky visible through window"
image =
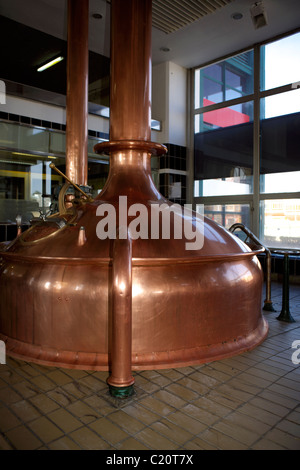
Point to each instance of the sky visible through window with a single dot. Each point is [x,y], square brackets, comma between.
[282,66]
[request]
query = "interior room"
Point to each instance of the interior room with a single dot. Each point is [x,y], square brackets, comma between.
[123,334]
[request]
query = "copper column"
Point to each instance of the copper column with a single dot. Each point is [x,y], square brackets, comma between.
[130,96]
[130,133]
[77,91]
[121,380]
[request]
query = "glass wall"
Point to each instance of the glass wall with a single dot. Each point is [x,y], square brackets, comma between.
[247,140]
[28,186]
[224,159]
[280,222]
[225,80]
[227,214]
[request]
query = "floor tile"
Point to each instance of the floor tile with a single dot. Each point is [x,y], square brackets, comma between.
[45,429]
[131,444]
[108,430]
[126,422]
[154,440]
[23,439]
[64,420]
[142,414]
[221,441]
[4,444]
[43,403]
[8,420]
[64,443]
[25,411]
[86,439]
[85,413]
[186,422]
[172,431]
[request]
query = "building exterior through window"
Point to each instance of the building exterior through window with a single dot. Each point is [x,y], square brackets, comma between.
[247,138]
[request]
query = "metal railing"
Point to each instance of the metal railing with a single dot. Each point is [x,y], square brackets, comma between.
[268,304]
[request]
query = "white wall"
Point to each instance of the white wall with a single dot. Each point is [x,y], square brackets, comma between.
[169,105]
[33,109]
[169,101]
[160,100]
[48,112]
[177,104]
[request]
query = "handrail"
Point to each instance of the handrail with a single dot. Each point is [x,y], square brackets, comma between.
[268,304]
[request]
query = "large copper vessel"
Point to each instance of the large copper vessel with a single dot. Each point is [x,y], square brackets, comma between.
[69,299]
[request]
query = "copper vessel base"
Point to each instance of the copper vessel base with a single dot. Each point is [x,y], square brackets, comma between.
[182,313]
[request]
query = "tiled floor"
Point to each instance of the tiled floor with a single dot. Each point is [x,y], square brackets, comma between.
[250,401]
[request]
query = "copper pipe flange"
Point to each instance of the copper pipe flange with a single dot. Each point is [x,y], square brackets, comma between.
[140,145]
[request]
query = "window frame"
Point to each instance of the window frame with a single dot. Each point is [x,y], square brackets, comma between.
[254,199]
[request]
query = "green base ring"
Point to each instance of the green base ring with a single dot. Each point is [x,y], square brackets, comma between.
[121,392]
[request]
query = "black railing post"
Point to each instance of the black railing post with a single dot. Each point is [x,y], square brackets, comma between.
[285,314]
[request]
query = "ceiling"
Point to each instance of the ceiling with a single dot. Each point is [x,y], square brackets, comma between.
[35,49]
[194,42]
[171,15]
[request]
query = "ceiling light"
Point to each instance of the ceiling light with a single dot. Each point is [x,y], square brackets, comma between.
[97,16]
[50,64]
[258,15]
[237,16]
[24,154]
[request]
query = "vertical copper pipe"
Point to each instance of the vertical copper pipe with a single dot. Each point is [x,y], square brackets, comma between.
[130,96]
[121,379]
[77,91]
[130,120]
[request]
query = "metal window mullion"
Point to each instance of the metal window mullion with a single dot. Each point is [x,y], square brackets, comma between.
[190,136]
[277,90]
[224,104]
[214,80]
[280,196]
[256,144]
[224,81]
[228,87]
[201,80]
[213,200]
